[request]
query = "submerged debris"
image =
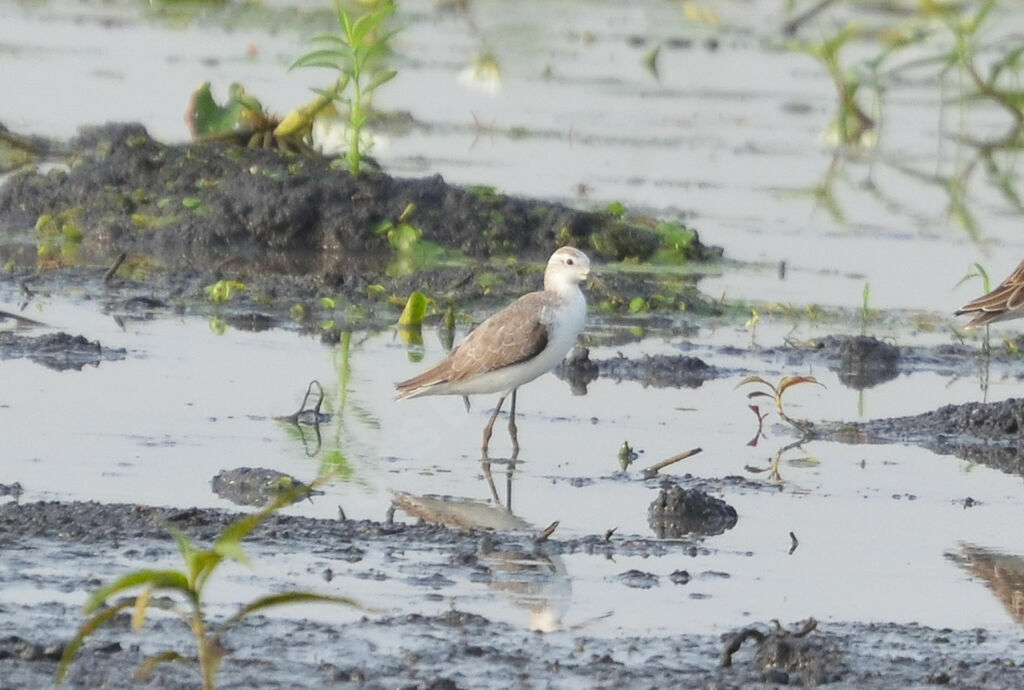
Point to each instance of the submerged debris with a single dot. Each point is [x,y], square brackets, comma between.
[257,486]
[786,657]
[58,351]
[659,371]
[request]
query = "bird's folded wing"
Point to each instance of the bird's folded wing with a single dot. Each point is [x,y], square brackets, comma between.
[515,334]
[1007,297]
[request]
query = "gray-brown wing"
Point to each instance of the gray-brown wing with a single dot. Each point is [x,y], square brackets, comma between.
[515,334]
[1008,297]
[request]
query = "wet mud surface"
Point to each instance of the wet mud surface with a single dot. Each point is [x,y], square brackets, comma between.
[453,649]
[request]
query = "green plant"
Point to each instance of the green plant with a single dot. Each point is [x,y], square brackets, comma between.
[867,314]
[776,393]
[851,123]
[412,251]
[976,270]
[186,588]
[351,54]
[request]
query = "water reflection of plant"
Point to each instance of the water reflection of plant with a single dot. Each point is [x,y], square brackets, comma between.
[348,413]
[776,393]
[929,43]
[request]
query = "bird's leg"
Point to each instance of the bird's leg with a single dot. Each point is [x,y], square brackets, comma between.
[512,431]
[490,426]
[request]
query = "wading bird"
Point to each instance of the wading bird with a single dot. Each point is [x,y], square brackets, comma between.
[514,346]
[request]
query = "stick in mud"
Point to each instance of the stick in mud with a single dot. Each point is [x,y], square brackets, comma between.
[653,469]
[109,275]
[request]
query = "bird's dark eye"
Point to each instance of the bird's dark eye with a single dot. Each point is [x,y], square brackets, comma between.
[568,262]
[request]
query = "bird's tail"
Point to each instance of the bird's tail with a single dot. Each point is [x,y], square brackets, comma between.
[423,384]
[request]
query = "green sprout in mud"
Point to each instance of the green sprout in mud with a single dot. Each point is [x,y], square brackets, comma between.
[976,270]
[776,392]
[352,53]
[183,593]
[867,314]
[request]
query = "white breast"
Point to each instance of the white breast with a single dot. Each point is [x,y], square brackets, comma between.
[564,320]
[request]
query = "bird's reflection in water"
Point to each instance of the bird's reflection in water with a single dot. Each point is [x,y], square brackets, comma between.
[1003,574]
[531,579]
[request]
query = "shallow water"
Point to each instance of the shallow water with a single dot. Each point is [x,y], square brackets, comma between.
[729,139]
[875,524]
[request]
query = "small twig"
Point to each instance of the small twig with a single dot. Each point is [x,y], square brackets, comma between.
[21,320]
[794,543]
[609,533]
[809,625]
[653,469]
[109,275]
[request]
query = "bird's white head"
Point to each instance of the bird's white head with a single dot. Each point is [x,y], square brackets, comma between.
[567,268]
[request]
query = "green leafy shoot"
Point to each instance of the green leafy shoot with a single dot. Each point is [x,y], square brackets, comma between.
[352,53]
[186,587]
[976,270]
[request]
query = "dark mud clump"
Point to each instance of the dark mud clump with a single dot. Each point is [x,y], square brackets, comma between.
[865,361]
[678,512]
[203,204]
[58,351]
[659,371]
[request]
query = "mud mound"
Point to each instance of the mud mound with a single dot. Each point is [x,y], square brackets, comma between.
[201,204]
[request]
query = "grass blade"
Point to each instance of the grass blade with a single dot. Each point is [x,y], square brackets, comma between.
[156,579]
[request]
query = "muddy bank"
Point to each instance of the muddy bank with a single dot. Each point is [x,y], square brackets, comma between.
[454,649]
[293,228]
[988,433]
